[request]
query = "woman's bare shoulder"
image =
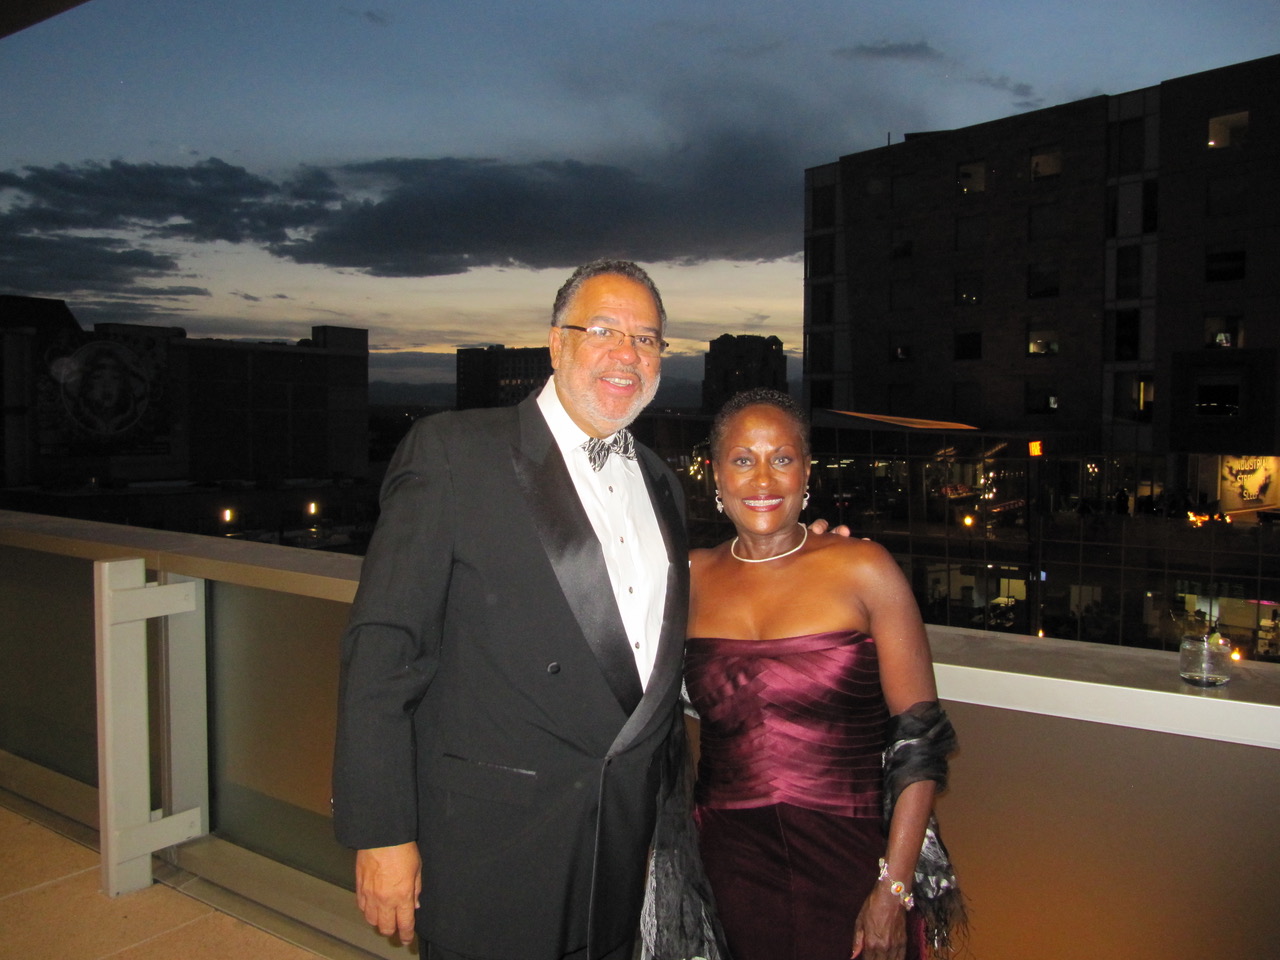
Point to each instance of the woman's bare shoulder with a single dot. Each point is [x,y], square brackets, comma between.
[851,549]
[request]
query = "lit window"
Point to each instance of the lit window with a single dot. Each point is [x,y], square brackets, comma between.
[971,177]
[968,289]
[1046,162]
[1042,342]
[1223,331]
[1228,130]
[1134,396]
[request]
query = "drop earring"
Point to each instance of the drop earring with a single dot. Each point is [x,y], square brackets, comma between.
[804,504]
[719,503]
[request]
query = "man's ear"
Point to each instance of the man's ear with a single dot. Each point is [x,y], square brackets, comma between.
[555,343]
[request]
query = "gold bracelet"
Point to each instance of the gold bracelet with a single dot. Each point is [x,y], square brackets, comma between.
[896,887]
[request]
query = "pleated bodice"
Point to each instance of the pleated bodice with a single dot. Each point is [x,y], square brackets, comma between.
[798,720]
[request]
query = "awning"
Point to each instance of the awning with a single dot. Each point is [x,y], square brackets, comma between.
[846,418]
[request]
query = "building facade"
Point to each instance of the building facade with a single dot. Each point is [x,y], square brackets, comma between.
[129,403]
[498,376]
[736,363]
[1103,270]
[1095,287]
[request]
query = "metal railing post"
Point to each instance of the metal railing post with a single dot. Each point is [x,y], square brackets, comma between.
[129,831]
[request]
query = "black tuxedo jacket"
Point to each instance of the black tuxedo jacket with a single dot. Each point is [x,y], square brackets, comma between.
[490,707]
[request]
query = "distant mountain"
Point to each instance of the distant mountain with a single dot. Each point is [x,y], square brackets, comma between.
[386,394]
[674,392]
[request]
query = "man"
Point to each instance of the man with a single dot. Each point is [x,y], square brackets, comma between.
[512,666]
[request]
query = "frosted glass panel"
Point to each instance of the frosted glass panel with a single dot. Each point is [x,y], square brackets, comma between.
[48,705]
[273,673]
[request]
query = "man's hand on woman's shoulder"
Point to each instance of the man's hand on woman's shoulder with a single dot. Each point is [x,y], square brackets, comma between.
[821,526]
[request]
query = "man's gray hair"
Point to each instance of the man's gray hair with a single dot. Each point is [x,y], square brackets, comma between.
[596,268]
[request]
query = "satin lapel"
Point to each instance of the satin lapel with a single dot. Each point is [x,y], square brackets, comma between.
[669,662]
[574,552]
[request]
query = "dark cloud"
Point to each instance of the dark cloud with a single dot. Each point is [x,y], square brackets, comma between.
[732,199]
[378,18]
[103,226]
[1027,99]
[64,264]
[208,200]
[886,50]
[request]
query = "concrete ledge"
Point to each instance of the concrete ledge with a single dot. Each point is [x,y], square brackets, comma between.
[308,573]
[1123,686]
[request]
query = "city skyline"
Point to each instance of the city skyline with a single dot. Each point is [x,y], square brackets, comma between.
[431,172]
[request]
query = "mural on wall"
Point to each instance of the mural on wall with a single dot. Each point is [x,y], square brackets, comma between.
[104,396]
[1247,483]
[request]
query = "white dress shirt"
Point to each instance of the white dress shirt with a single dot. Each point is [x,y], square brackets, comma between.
[617,503]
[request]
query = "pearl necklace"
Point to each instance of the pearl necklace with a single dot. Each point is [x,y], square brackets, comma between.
[778,556]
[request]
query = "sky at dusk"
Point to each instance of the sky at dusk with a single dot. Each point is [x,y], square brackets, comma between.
[432,170]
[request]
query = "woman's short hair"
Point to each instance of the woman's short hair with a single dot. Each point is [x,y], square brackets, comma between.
[757,396]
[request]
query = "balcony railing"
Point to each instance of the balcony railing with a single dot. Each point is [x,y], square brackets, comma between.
[1098,806]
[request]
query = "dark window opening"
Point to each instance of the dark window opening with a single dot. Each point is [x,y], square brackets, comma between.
[1041,399]
[1042,281]
[1126,335]
[822,305]
[1227,196]
[971,232]
[1128,272]
[1225,265]
[1218,399]
[968,345]
[822,211]
[1044,221]
[1128,146]
[820,256]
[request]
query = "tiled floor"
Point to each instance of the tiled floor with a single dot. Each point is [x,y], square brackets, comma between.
[51,908]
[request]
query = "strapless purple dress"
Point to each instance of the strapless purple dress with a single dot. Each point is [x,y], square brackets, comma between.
[789,789]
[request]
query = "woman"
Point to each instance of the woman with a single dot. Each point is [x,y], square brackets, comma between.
[803,646]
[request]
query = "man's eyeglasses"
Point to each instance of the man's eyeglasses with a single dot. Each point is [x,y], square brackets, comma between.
[608,338]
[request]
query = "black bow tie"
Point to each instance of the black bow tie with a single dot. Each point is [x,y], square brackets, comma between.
[598,450]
